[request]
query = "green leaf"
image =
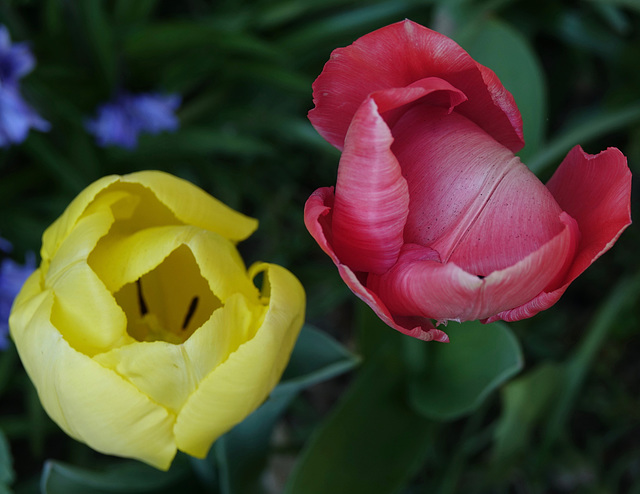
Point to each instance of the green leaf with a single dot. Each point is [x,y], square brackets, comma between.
[52,163]
[450,380]
[97,31]
[241,453]
[315,358]
[126,477]
[7,475]
[525,402]
[371,442]
[344,23]
[129,12]
[622,297]
[201,141]
[631,4]
[589,127]
[164,40]
[505,51]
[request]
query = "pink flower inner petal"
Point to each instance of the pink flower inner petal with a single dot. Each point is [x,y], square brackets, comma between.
[317,218]
[421,285]
[372,198]
[472,200]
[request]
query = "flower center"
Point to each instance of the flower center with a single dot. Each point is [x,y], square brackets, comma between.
[170,302]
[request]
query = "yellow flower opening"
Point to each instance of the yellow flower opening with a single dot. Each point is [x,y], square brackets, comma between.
[142,330]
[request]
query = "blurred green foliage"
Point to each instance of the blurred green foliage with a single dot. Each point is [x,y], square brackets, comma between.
[570,422]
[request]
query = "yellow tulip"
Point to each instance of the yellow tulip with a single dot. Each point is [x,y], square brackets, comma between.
[142,330]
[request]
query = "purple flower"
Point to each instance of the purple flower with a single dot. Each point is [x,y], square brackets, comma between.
[16,60]
[119,122]
[17,117]
[12,277]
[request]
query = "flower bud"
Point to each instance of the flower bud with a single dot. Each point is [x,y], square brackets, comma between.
[142,330]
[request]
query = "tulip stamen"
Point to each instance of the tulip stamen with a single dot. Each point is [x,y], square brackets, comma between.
[143,305]
[190,312]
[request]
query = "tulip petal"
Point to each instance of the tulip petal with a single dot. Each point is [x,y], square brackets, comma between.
[393,102]
[80,294]
[519,216]
[169,373]
[596,191]
[421,285]
[137,254]
[371,198]
[86,313]
[228,328]
[395,56]
[240,384]
[526,279]
[88,401]
[60,229]
[78,244]
[472,200]
[189,204]
[193,206]
[317,218]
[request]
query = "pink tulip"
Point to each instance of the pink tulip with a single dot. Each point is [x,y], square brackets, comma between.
[433,217]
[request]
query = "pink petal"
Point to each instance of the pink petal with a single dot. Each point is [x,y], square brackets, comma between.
[371,198]
[317,218]
[396,56]
[472,200]
[393,103]
[596,191]
[421,285]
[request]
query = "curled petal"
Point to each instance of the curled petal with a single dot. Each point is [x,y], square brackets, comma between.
[432,91]
[371,199]
[396,56]
[596,191]
[60,229]
[240,384]
[418,284]
[193,206]
[79,296]
[317,218]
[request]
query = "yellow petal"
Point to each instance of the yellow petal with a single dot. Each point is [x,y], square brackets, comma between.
[222,334]
[158,369]
[25,304]
[169,373]
[86,313]
[78,244]
[193,206]
[125,259]
[89,402]
[239,385]
[59,230]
